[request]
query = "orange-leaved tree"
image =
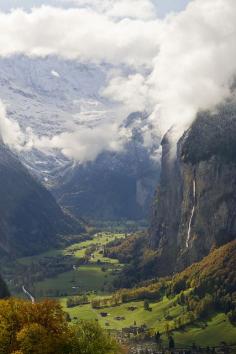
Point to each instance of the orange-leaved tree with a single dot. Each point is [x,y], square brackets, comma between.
[42,328]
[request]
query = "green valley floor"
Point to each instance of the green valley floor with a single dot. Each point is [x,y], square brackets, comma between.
[81,268]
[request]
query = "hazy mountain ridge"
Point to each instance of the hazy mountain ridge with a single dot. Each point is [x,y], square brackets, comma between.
[52,96]
[115,185]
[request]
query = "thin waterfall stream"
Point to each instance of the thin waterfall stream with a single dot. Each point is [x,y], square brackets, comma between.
[28,294]
[192,213]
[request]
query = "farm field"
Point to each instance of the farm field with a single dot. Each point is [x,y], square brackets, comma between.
[80,267]
[208,333]
[84,279]
[153,319]
[77,249]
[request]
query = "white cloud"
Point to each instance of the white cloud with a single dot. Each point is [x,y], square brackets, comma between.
[83,144]
[86,143]
[78,34]
[196,62]
[193,69]
[191,56]
[131,91]
[136,9]
[142,9]
[10,132]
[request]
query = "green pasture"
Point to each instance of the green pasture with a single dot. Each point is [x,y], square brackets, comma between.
[208,333]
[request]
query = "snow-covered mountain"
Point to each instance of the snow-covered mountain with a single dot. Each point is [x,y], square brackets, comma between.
[50,96]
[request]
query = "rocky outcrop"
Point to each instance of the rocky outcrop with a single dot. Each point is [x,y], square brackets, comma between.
[195,207]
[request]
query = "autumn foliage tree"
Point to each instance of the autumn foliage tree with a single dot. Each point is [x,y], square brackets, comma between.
[88,338]
[42,328]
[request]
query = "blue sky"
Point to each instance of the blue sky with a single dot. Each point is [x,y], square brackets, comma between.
[163,6]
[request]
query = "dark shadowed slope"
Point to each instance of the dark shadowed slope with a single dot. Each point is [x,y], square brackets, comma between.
[30,218]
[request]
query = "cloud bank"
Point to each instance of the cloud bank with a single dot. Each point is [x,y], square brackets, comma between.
[180,65]
[86,143]
[193,69]
[135,9]
[81,34]
[196,65]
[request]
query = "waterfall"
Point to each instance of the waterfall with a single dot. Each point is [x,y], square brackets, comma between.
[192,213]
[28,294]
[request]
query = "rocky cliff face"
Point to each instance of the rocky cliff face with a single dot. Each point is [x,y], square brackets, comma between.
[195,207]
[30,218]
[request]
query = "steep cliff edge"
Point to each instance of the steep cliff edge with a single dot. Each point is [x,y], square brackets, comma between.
[195,207]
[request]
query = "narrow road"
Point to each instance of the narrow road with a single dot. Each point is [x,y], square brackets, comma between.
[28,294]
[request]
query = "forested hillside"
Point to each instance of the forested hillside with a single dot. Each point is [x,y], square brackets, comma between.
[202,289]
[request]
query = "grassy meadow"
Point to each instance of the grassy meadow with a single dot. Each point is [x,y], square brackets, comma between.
[208,333]
[65,272]
[62,273]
